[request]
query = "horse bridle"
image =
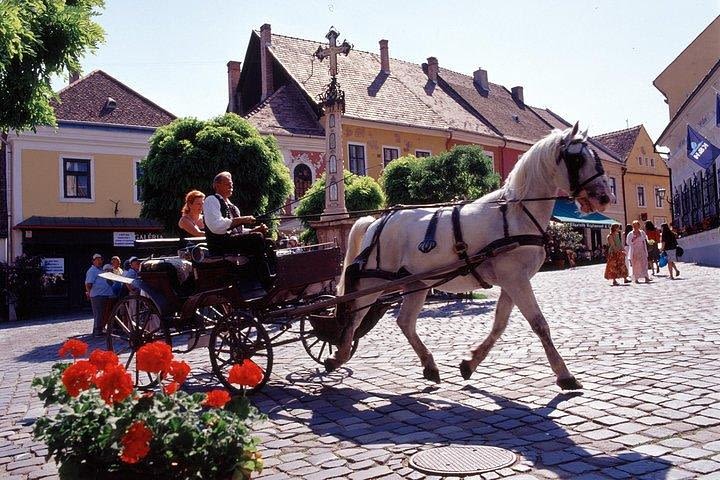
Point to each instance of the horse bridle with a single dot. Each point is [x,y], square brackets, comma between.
[574,159]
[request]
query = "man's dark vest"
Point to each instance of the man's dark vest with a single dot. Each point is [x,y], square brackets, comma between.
[215,242]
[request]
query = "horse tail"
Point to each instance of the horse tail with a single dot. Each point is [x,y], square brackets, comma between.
[354,244]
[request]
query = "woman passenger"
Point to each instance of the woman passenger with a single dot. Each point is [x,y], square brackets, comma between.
[615,267]
[191,221]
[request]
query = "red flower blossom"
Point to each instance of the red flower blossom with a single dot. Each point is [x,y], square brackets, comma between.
[103,359]
[154,357]
[171,388]
[246,374]
[216,398]
[78,377]
[136,442]
[115,384]
[76,348]
[179,371]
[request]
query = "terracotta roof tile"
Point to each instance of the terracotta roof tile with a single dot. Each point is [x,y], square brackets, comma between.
[86,101]
[620,142]
[286,112]
[513,119]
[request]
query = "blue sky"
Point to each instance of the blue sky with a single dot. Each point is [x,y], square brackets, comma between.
[592,61]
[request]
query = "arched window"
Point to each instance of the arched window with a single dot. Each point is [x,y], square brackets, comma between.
[303,179]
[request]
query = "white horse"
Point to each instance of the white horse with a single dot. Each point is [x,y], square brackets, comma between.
[562,161]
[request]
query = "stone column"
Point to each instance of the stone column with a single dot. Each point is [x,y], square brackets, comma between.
[335,165]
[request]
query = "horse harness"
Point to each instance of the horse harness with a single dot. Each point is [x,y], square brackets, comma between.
[574,160]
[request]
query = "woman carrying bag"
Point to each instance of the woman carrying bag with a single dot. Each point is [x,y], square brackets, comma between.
[670,246]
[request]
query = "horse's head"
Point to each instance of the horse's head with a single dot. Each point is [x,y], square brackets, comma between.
[585,177]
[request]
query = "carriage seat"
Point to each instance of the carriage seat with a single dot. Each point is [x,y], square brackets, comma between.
[177,270]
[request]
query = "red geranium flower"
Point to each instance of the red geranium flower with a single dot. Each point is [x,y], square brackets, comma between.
[103,359]
[76,348]
[78,377]
[246,374]
[216,398]
[179,371]
[136,442]
[115,384]
[171,388]
[154,357]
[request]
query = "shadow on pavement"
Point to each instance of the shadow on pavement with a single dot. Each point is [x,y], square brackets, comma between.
[406,420]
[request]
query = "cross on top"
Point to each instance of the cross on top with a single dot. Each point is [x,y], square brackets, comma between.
[333,49]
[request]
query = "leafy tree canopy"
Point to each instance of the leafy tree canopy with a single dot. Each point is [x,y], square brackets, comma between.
[188,153]
[464,172]
[361,193]
[39,39]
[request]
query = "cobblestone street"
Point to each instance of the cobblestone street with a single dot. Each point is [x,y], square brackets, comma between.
[648,356]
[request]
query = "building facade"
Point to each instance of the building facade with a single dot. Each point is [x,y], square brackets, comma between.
[693,107]
[72,189]
[644,175]
[393,108]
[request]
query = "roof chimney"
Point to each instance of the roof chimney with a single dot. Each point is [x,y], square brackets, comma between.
[480,78]
[74,76]
[384,57]
[517,94]
[266,66]
[234,69]
[432,69]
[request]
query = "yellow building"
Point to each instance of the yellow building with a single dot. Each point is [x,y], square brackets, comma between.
[644,175]
[72,189]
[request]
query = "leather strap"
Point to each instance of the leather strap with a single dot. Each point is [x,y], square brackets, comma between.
[429,242]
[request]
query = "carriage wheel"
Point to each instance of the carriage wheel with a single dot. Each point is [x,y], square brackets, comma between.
[239,336]
[135,321]
[319,347]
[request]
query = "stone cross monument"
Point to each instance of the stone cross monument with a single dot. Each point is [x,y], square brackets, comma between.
[333,101]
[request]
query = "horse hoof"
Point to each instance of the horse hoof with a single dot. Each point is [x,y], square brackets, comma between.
[432,374]
[465,370]
[569,383]
[329,365]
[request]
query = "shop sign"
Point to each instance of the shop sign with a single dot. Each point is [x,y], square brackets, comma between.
[53,266]
[123,239]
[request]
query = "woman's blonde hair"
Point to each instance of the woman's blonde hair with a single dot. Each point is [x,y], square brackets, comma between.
[190,198]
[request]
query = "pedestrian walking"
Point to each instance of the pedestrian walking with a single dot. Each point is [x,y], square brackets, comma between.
[653,235]
[669,246]
[615,267]
[637,240]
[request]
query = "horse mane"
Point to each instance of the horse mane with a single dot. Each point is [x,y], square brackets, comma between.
[537,164]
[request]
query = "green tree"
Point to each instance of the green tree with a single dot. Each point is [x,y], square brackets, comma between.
[39,39]
[187,154]
[361,193]
[463,172]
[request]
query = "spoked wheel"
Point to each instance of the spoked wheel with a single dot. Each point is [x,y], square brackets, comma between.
[203,321]
[320,332]
[235,338]
[134,321]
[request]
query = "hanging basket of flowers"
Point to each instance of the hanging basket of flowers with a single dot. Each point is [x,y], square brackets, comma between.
[100,426]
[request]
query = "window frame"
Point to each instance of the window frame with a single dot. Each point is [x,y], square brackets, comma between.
[659,202]
[365,157]
[63,159]
[419,150]
[613,189]
[638,190]
[389,147]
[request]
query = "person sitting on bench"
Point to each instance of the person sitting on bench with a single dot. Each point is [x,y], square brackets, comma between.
[225,232]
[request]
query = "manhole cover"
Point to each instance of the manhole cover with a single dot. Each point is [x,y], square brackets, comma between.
[462,460]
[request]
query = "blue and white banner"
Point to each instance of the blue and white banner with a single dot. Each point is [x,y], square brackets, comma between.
[699,149]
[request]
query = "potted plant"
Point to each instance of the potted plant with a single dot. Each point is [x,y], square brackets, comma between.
[105,428]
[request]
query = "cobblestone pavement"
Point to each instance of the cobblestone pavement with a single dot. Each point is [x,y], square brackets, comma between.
[648,356]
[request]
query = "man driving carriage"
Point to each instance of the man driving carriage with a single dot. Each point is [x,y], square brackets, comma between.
[226,233]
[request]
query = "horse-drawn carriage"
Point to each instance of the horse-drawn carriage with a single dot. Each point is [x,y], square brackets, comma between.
[503,245]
